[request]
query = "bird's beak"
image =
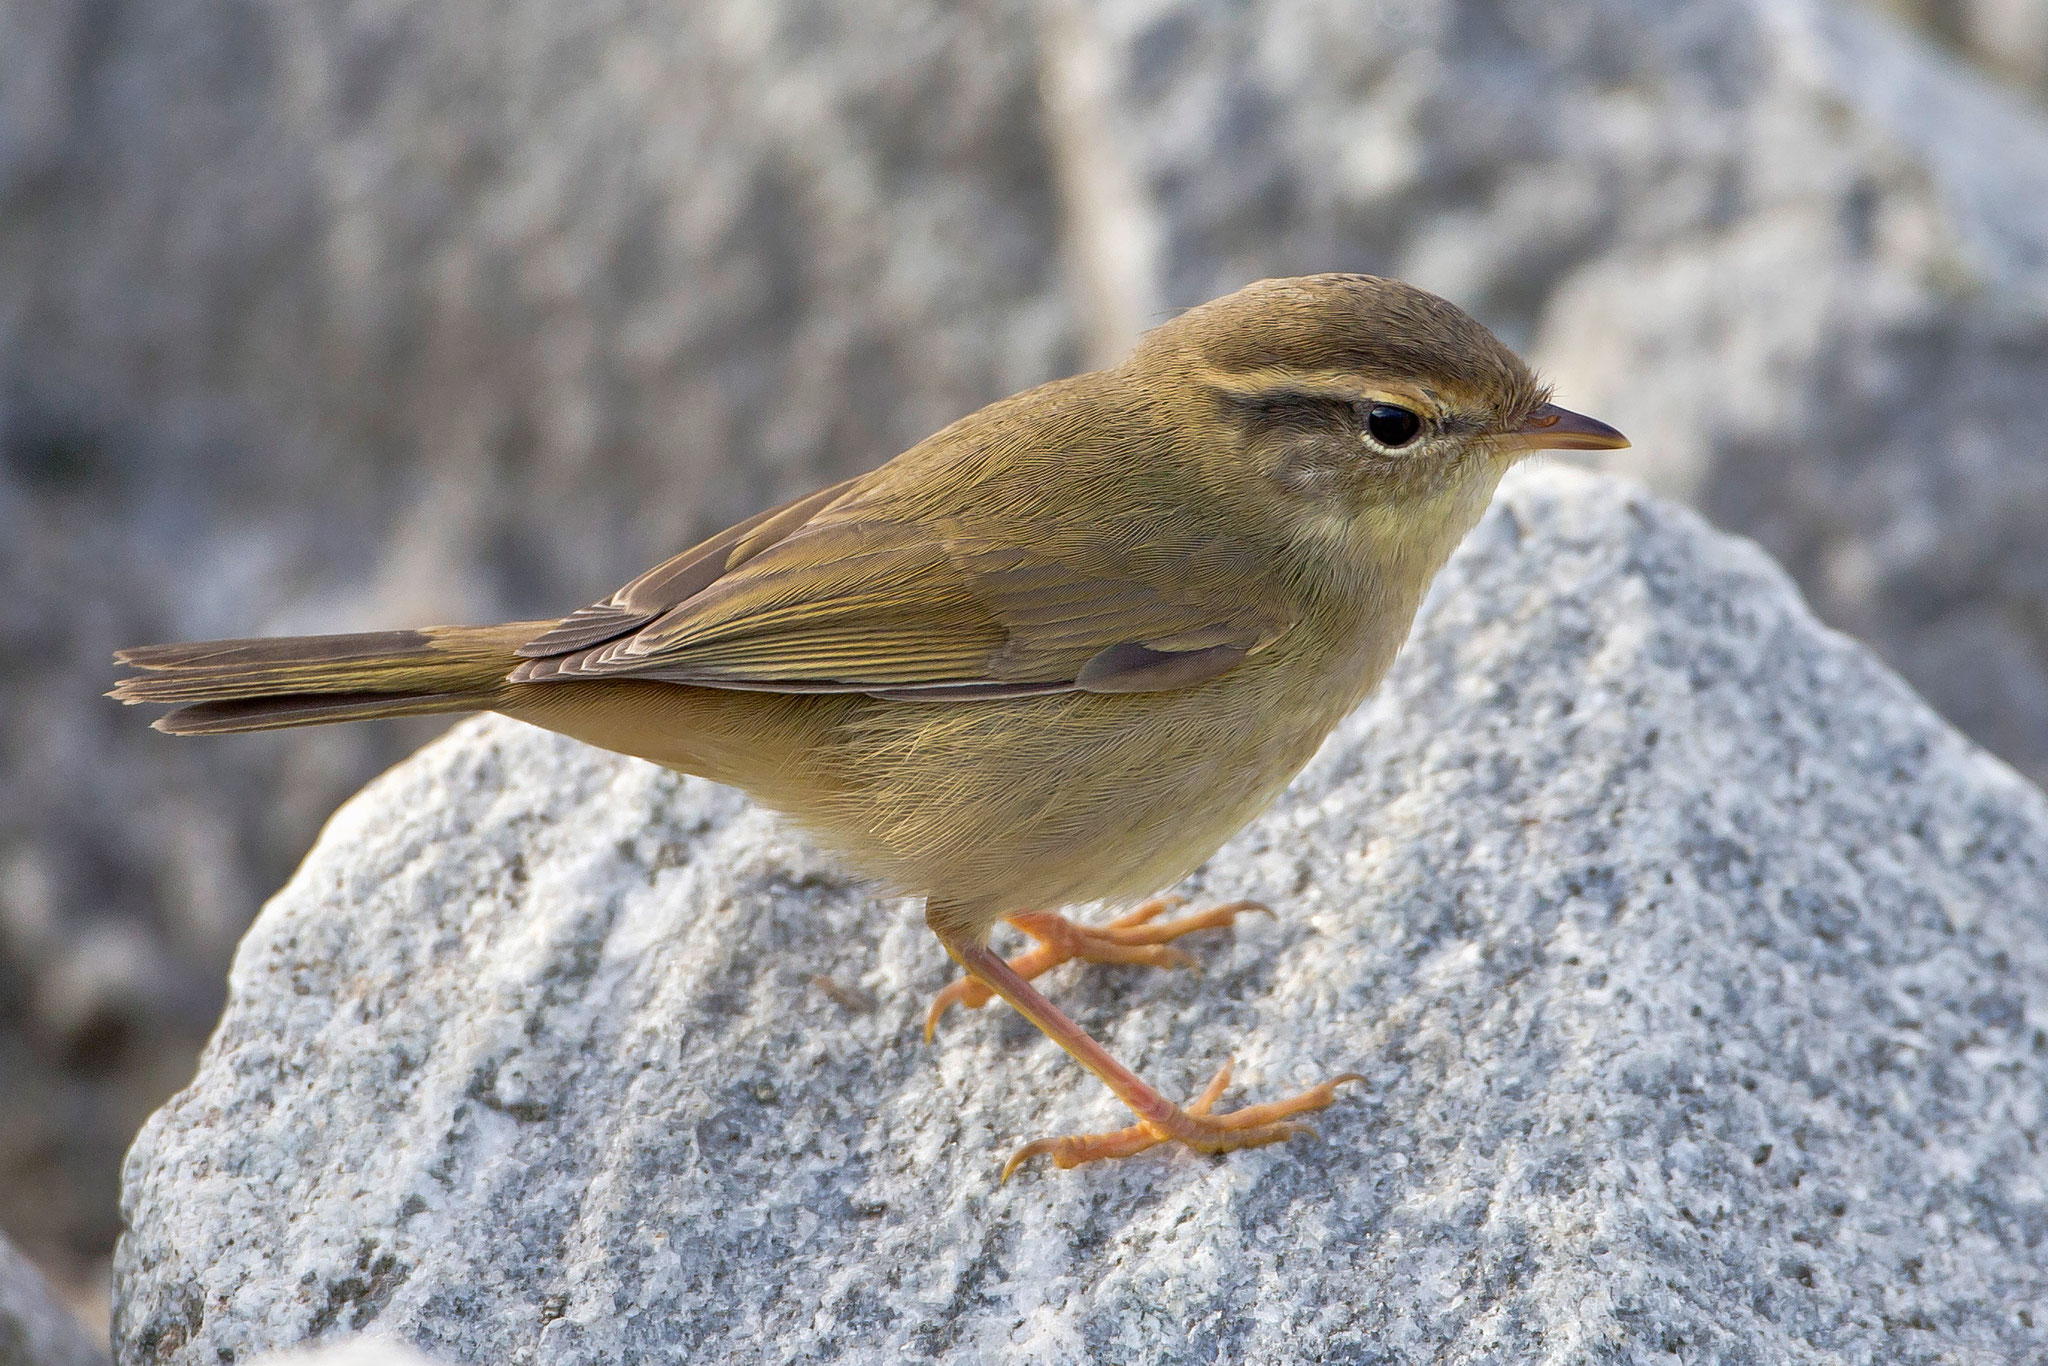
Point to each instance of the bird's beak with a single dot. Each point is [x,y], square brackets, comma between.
[1551,428]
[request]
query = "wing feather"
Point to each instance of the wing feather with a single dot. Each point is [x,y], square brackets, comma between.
[679,578]
[826,595]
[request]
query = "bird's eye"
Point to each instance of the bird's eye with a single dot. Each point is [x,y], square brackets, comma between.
[1391,426]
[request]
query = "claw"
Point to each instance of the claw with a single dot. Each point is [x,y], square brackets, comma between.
[966,991]
[1253,1126]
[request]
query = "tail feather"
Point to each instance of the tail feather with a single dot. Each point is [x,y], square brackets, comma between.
[308,709]
[220,686]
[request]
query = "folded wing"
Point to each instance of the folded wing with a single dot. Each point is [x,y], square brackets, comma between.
[827,595]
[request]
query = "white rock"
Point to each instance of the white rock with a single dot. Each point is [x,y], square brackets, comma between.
[367,1350]
[1696,968]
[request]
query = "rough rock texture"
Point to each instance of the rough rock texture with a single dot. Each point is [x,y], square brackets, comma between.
[34,1329]
[1695,967]
[368,1350]
[318,314]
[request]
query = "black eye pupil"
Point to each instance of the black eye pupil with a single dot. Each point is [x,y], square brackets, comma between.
[1392,426]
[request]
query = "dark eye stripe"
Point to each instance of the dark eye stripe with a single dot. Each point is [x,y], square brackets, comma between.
[1285,409]
[1290,400]
[1389,424]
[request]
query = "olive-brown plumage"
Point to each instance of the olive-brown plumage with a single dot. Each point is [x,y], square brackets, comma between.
[1057,652]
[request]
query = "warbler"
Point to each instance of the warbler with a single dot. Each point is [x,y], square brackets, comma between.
[1054,654]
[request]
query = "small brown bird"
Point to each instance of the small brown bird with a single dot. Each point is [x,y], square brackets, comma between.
[1056,653]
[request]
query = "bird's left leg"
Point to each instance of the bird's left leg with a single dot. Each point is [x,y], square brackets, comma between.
[1159,1120]
[1138,938]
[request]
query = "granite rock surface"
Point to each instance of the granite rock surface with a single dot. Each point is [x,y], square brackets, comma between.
[368,1350]
[1694,965]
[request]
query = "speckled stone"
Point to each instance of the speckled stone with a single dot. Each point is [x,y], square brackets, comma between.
[1696,968]
[368,1350]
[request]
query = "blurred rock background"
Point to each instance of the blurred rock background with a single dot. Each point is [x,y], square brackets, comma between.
[2008,38]
[331,314]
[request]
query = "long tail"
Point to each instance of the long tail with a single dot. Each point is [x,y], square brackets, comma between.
[220,686]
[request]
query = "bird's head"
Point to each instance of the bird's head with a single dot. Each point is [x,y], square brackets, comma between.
[1364,402]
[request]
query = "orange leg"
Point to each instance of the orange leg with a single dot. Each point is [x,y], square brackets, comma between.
[1159,1119]
[1133,938]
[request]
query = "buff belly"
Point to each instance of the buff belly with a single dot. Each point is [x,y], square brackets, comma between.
[985,807]
[994,808]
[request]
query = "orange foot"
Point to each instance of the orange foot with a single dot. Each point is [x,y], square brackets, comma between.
[1130,939]
[1252,1127]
